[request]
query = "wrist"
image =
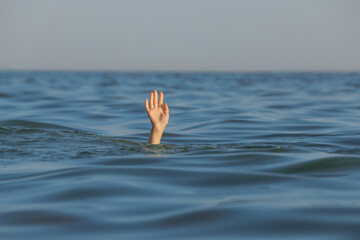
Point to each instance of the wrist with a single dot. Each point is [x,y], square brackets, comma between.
[158,128]
[156,134]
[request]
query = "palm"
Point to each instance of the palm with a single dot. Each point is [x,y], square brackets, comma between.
[158,117]
[157,111]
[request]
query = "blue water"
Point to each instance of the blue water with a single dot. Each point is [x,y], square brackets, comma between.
[245,156]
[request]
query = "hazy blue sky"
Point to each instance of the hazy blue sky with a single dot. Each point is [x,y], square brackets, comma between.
[234,35]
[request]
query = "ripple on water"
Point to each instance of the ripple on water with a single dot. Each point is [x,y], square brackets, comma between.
[324,167]
[37,217]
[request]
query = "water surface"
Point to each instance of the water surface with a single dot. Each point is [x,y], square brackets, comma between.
[245,156]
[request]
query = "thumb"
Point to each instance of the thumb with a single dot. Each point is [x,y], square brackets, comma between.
[166,109]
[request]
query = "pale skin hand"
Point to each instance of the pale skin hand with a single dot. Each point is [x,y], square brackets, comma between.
[158,113]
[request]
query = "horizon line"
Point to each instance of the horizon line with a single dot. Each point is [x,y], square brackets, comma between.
[179,71]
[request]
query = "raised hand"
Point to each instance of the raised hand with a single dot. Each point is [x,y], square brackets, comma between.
[158,113]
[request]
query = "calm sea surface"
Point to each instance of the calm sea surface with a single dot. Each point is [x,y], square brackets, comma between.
[245,156]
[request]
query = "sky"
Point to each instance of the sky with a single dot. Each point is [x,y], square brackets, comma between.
[180,35]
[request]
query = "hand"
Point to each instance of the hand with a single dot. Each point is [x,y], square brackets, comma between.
[158,114]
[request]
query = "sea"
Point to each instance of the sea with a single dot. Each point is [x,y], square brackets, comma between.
[252,155]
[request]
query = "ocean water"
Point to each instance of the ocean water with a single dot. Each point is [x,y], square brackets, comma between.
[245,156]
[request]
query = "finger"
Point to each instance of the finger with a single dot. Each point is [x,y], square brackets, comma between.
[155,98]
[166,109]
[151,100]
[161,99]
[147,105]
